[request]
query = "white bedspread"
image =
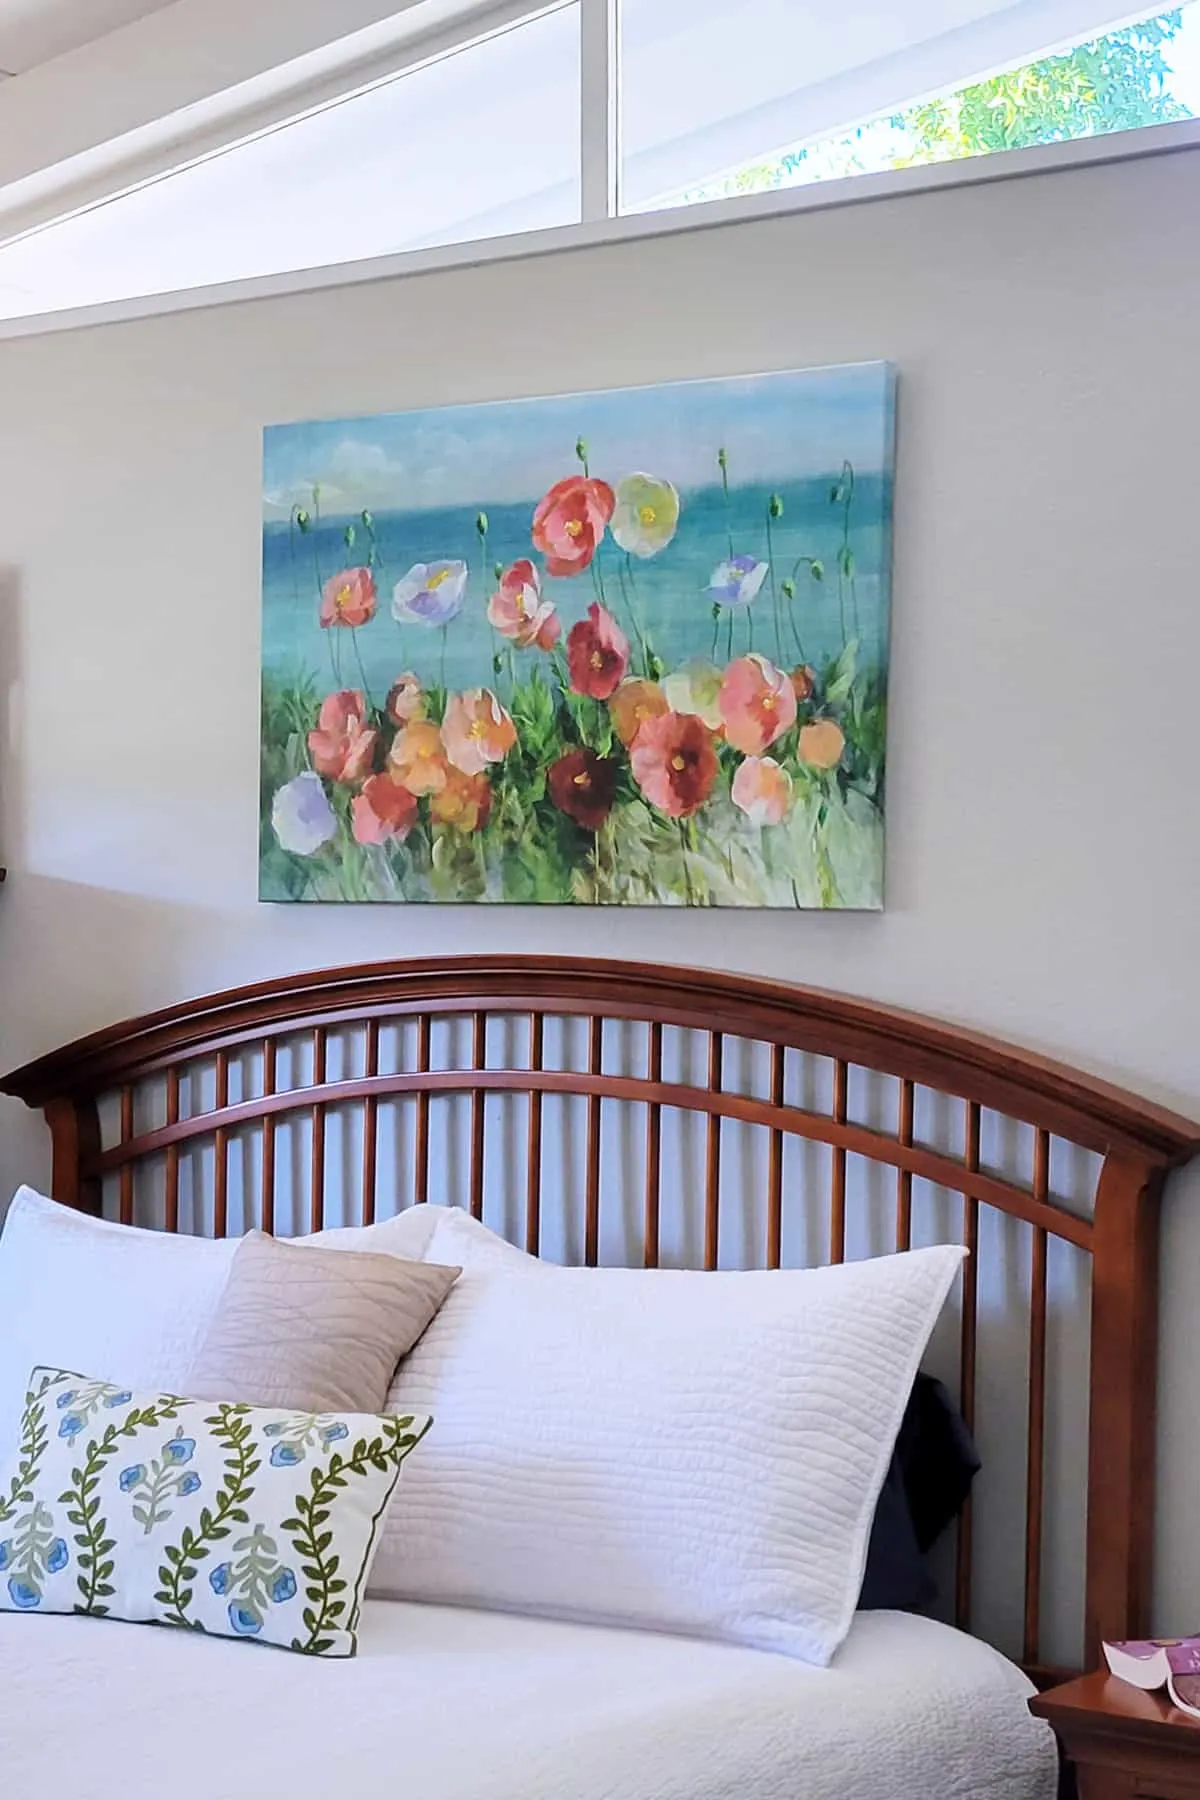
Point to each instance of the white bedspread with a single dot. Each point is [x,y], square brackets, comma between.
[446,1704]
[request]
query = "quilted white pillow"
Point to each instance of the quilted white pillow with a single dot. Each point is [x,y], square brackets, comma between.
[686,1452]
[82,1293]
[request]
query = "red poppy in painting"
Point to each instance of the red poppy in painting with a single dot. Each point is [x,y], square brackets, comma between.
[597,653]
[758,704]
[343,745]
[383,811]
[582,785]
[348,598]
[569,523]
[674,763]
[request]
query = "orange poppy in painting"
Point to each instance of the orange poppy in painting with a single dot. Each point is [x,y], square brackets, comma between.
[569,522]
[418,758]
[674,763]
[465,802]
[821,744]
[632,704]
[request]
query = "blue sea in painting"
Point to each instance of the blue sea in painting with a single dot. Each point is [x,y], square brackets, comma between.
[668,592]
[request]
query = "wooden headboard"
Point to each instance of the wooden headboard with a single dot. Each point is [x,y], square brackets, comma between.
[151,1120]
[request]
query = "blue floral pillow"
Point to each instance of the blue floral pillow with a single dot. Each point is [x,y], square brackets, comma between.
[235,1520]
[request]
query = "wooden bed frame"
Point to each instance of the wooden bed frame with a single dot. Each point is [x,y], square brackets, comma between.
[93,1094]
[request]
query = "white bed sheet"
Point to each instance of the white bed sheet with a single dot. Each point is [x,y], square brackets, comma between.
[448,1704]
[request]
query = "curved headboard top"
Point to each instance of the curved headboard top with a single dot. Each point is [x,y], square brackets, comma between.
[1016,1082]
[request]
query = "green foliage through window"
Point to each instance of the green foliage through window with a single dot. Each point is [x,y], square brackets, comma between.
[1118,82]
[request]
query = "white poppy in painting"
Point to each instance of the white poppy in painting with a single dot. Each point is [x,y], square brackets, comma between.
[646,515]
[301,815]
[430,594]
[696,688]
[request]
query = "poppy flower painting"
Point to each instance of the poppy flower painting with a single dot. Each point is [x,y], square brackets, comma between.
[624,648]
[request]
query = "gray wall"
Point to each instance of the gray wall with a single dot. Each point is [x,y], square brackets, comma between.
[1044,858]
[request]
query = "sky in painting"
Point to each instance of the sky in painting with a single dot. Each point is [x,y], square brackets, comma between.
[774,428]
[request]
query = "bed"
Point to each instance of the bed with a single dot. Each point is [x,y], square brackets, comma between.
[598,1112]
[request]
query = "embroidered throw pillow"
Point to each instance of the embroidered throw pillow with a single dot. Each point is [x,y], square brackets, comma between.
[236,1520]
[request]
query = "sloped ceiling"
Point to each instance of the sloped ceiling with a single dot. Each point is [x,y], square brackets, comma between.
[36,31]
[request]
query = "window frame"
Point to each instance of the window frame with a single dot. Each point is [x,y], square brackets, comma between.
[155,152]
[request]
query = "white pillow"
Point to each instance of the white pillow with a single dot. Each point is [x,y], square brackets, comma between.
[132,1305]
[687,1452]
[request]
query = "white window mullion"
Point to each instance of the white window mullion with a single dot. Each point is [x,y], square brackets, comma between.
[600,142]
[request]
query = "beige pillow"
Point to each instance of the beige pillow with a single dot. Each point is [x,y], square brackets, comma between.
[314,1330]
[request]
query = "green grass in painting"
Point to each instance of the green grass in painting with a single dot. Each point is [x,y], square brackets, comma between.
[825,853]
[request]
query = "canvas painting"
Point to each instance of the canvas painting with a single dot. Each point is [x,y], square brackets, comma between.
[624,648]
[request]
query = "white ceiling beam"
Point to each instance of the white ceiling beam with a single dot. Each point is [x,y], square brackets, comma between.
[182,56]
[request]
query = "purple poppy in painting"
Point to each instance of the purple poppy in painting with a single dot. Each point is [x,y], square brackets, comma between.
[302,820]
[430,594]
[737,581]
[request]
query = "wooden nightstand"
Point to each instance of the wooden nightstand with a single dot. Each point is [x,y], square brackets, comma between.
[1122,1741]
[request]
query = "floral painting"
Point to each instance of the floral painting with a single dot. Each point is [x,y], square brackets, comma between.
[624,648]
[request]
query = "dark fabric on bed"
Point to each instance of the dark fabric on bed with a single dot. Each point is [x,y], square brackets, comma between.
[929,1478]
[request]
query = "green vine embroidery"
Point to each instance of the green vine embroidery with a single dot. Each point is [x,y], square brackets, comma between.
[326,1590]
[83,1503]
[34,1438]
[232,1425]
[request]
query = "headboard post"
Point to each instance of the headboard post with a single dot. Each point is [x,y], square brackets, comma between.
[1121,1443]
[75,1146]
